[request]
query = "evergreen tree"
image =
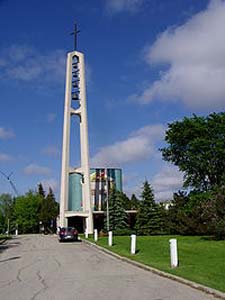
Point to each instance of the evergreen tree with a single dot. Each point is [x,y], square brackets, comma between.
[125,201]
[120,213]
[134,202]
[149,218]
[48,211]
[41,191]
[53,206]
[117,213]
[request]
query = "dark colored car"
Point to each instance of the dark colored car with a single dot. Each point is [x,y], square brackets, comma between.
[68,234]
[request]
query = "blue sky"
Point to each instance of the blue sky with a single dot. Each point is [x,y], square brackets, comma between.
[148,63]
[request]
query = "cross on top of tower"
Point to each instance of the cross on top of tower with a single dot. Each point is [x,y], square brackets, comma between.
[75,32]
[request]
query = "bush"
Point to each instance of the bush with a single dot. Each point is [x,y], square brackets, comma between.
[125,231]
[220,229]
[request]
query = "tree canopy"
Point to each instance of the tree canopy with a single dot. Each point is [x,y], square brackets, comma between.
[6,211]
[26,212]
[197,147]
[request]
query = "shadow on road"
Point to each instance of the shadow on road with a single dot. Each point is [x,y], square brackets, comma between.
[70,242]
[10,243]
[9,259]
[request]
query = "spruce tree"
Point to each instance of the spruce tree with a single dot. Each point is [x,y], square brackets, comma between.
[134,202]
[120,213]
[149,215]
[52,204]
[48,210]
[41,191]
[117,213]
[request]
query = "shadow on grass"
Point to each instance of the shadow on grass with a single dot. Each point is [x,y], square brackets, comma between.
[209,238]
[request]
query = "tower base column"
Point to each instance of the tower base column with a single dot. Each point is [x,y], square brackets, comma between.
[89,224]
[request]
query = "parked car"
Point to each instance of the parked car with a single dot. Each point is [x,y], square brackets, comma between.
[68,234]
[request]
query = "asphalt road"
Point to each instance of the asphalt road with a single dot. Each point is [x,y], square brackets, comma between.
[39,267]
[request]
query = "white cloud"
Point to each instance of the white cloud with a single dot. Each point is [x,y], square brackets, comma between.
[50,183]
[194,53]
[167,181]
[5,157]
[118,6]
[34,169]
[140,145]
[6,134]
[51,151]
[24,63]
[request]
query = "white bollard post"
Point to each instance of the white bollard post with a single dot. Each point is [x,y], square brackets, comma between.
[86,233]
[173,253]
[133,244]
[110,239]
[95,235]
[16,232]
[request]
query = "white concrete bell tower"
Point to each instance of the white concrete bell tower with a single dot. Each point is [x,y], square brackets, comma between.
[75,104]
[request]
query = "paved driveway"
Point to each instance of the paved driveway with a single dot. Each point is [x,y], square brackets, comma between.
[39,267]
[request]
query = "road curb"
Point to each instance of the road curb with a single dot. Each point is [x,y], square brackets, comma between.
[192,284]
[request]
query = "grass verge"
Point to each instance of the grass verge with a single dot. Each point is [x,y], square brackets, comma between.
[200,259]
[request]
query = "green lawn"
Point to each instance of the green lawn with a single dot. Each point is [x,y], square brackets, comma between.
[200,259]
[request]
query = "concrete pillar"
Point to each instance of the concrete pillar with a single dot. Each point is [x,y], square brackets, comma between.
[66,145]
[173,253]
[110,238]
[95,235]
[85,165]
[133,244]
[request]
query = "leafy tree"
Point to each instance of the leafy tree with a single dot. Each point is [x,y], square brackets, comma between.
[26,212]
[192,214]
[175,217]
[189,214]
[2,223]
[216,213]
[197,147]
[6,211]
[149,219]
